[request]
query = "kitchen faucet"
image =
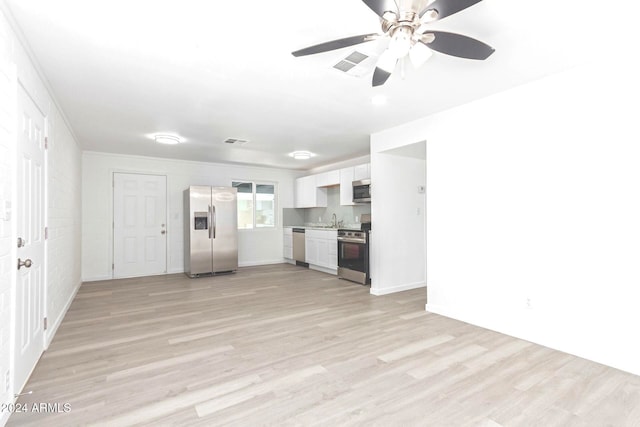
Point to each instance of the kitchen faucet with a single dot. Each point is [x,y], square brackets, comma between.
[334,221]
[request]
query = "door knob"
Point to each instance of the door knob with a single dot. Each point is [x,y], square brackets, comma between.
[21,242]
[26,263]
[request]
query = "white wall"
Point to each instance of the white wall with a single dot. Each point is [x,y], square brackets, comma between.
[63,207]
[534,194]
[397,240]
[255,247]
[7,182]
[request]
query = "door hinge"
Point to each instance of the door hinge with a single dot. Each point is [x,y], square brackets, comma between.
[45,323]
[46,233]
[113,266]
[46,143]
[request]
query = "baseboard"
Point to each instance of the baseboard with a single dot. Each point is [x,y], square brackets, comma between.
[323,269]
[96,278]
[257,263]
[398,288]
[181,270]
[442,311]
[54,327]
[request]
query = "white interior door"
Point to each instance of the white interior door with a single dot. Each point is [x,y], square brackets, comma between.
[29,333]
[139,225]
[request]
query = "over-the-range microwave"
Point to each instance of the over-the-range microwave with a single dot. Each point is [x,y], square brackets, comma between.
[362,191]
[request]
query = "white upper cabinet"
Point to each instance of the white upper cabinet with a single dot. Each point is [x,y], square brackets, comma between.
[328,179]
[308,195]
[362,172]
[346,189]
[311,191]
[347,176]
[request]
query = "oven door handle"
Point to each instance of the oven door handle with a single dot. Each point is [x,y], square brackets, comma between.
[348,240]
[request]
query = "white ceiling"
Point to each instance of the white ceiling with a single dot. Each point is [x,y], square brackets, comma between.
[122,70]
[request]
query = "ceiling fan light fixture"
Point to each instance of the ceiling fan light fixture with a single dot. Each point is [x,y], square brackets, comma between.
[419,54]
[429,16]
[400,43]
[404,23]
[302,155]
[390,16]
[387,61]
[167,139]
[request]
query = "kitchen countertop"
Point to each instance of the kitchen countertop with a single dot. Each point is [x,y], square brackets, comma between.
[326,227]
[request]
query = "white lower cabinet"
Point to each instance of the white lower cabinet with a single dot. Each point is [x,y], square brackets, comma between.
[333,253]
[311,248]
[321,247]
[287,243]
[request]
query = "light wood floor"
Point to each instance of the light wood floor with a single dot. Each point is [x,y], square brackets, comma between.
[282,345]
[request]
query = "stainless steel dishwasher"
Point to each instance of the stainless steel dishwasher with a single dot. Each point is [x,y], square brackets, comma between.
[299,254]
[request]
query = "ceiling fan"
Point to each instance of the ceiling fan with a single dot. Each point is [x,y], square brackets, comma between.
[403,24]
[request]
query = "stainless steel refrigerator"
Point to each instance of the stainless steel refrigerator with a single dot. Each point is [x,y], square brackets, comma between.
[211,230]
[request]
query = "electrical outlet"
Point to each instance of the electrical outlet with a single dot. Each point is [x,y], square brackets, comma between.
[529,304]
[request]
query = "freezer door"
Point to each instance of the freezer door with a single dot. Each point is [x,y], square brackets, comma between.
[224,223]
[199,230]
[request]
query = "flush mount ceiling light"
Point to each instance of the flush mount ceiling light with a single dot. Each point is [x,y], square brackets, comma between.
[167,139]
[302,155]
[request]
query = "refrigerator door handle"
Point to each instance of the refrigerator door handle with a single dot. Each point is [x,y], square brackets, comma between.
[213,210]
[209,220]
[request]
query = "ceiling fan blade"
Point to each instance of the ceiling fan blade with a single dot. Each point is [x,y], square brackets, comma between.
[457,45]
[385,66]
[382,6]
[380,77]
[335,44]
[448,7]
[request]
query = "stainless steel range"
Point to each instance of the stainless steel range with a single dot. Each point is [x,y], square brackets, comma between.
[353,254]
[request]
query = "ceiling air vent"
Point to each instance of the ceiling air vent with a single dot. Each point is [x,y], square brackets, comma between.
[356,57]
[235,141]
[356,64]
[344,66]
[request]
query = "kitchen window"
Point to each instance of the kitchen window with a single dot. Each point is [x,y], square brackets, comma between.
[256,204]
